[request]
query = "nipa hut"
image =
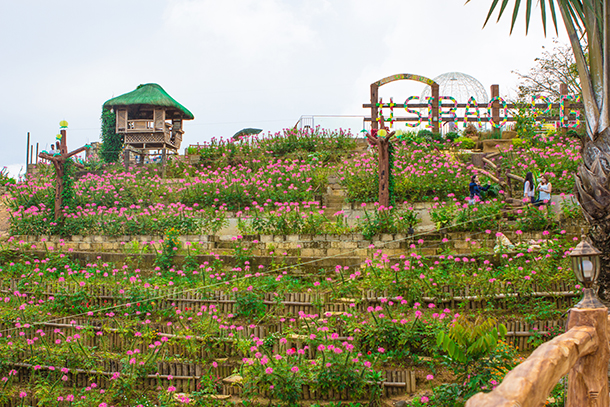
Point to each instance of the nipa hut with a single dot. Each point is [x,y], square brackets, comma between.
[149,119]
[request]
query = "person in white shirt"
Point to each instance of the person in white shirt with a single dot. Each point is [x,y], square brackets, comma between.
[544,190]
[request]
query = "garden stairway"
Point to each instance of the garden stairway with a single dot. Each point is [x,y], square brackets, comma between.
[483,164]
[334,198]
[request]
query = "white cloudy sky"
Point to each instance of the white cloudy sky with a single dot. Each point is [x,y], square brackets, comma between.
[236,63]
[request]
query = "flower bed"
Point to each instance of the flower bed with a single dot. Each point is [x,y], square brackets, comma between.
[368,315]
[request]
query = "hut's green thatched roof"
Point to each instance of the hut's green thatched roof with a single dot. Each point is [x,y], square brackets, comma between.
[149,94]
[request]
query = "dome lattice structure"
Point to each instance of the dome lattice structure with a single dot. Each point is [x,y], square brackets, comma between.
[460,86]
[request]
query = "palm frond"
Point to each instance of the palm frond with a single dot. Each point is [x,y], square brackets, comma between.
[553,14]
[491,10]
[543,15]
[515,14]
[528,15]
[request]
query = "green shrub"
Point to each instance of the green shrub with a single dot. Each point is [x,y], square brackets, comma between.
[384,220]
[518,143]
[429,136]
[5,178]
[465,143]
[536,218]
[451,136]
[477,354]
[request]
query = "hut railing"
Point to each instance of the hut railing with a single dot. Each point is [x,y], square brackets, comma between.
[136,125]
[582,353]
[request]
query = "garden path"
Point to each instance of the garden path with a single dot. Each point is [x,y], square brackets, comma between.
[4,219]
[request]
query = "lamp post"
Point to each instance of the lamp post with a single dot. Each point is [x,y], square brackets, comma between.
[586,266]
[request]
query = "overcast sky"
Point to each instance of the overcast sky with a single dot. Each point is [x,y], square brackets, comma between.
[237,63]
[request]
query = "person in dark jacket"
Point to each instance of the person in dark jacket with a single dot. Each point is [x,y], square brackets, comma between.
[476,188]
[529,191]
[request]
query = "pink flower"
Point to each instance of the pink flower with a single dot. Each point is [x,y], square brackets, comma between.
[429,377]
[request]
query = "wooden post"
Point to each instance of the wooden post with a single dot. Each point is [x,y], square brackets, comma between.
[27,153]
[588,379]
[495,107]
[383,144]
[59,162]
[163,159]
[582,352]
[563,91]
[436,120]
[374,111]
[36,154]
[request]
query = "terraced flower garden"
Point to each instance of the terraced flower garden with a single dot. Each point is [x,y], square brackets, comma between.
[241,279]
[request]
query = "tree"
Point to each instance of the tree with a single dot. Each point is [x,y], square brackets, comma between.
[590,20]
[63,165]
[382,139]
[553,67]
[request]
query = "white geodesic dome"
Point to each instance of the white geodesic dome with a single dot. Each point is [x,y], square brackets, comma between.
[459,86]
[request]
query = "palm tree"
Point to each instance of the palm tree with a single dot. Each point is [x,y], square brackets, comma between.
[588,20]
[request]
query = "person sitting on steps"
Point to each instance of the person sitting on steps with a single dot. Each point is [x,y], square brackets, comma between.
[529,191]
[476,188]
[544,190]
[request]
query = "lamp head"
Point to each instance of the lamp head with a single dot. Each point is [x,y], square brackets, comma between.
[586,262]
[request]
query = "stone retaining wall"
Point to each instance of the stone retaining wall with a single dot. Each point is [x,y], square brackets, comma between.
[295,245]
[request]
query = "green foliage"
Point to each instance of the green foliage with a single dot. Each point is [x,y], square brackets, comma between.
[537,337]
[387,220]
[401,339]
[558,395]
[468,342]
[478,356]
[112,143]
[283,382]
[452,136]
[250,305]
[536,218]
[481,216]
[67,194]
[409,137]
[429,136]
[518,143]
[465,142]
[525,121]
[171,245]
[316,145]
[339,374]
[444,216]
[570,210]
[285,220]
[5,178]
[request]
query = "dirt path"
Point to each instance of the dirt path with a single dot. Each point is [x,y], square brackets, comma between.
[4,219]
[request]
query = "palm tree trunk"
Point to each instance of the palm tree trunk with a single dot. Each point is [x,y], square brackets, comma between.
[600,237]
